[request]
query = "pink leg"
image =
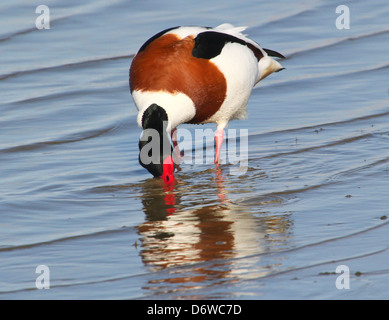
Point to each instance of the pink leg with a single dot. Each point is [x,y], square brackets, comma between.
[219,142]
[173,134]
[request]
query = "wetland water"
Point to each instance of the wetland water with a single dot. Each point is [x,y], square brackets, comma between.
[74,198]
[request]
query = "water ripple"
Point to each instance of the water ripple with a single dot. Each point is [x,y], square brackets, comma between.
[335,42]
[77,63]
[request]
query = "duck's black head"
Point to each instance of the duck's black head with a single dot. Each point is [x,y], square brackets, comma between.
[155,150]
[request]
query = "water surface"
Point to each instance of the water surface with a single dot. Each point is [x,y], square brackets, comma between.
[313,196]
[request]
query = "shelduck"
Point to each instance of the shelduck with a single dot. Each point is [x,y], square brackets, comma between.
[193,75]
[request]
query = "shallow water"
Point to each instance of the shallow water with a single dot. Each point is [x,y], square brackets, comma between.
[312,197]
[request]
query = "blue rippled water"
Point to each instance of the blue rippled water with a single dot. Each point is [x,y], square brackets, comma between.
[313,196]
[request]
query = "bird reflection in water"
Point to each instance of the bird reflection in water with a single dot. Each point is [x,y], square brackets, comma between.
[219,180]
[201,228]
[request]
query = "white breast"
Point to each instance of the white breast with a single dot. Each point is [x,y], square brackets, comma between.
[178,106]
[240,68]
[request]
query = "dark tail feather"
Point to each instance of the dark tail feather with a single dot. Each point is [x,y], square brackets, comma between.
[273,53]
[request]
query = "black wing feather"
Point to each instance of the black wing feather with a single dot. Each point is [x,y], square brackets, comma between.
[273,53]
[159,34]
[209,44]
